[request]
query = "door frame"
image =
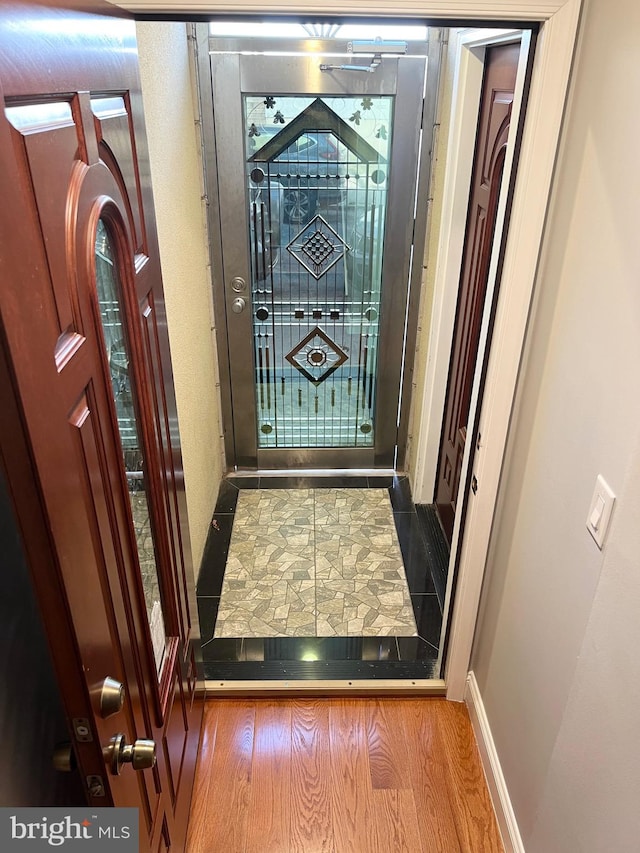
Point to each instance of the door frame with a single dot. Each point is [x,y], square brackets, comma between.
[468,75]
[470,70]
[558,28]
[497,379]
[467,88]
[389,449]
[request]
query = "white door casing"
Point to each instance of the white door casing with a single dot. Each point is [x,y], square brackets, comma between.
[471,45]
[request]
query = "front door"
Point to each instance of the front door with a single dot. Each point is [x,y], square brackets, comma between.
[317,169]
[84,337]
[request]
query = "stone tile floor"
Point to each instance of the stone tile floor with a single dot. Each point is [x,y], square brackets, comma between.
[306,657]
[314,563]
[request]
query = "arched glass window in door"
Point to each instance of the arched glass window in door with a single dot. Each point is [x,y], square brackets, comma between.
[119,360]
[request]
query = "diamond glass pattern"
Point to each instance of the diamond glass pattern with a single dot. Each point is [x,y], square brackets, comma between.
[304,276]
[317,247]
[316,356]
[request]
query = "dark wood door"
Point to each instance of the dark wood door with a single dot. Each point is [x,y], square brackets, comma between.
[89,440]
[501,66]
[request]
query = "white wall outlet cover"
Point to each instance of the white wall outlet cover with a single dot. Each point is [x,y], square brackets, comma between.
[600,510]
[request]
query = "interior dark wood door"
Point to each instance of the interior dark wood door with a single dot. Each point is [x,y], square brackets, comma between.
[501,66]
[87,365]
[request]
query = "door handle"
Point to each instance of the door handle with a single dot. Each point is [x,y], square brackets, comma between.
[141,754]
[238,305]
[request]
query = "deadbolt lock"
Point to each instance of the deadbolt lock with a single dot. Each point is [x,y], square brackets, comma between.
[141,754]
[238,284]
[111,697]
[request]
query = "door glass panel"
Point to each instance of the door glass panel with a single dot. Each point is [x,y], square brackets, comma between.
[317,182]
[117,352]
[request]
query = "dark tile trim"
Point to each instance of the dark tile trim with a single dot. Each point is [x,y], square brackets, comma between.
[436,546]
[319,670]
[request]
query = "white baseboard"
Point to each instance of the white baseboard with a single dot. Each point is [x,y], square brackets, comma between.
[493,771]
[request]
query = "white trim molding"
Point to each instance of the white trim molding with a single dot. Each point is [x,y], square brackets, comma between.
[470,61]
[467,10]
[496,783]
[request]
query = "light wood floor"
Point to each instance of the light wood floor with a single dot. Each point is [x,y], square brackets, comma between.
[340,776]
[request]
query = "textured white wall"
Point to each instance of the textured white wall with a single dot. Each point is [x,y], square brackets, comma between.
[175,173]
[555,652]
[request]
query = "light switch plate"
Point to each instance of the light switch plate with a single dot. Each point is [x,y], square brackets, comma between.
[600,510]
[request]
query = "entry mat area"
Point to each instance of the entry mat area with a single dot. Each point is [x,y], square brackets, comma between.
[246,657]
[314,563]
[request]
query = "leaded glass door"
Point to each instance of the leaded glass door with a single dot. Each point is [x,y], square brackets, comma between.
[316,175]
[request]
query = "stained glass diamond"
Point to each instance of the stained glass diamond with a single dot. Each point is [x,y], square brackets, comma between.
[317,247]
[316,356]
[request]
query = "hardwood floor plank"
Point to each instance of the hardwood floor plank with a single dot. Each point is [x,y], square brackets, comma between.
[396,822]
[225,818]
[475,820]
[429,775]
[351,791]
[270,792]
[195,838]
[340,776]
[388,757]
[311,816]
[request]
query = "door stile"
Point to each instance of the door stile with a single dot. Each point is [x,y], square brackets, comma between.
[235,263]
[135,618]
[420,231]
[396,276]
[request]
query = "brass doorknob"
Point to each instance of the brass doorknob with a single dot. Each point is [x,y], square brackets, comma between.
[141,754]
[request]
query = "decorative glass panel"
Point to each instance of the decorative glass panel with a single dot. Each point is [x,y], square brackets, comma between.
[317,183]
[117,352]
